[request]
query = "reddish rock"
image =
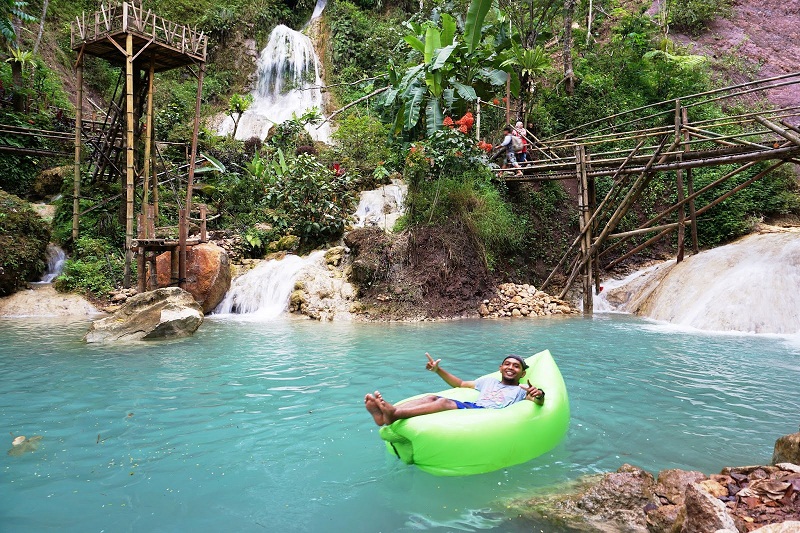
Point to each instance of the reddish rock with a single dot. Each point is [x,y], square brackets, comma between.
[787,449]
[208,274]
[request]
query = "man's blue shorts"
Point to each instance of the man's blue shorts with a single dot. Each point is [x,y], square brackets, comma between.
[467,405]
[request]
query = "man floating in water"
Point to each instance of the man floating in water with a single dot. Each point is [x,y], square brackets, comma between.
[494,393]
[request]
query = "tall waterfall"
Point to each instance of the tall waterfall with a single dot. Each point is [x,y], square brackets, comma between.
[289,83]
[264,291]
[751,286]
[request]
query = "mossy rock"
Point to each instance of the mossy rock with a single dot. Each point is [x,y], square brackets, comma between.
[23,243]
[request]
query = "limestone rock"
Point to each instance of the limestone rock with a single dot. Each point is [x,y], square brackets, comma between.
[704,512]
[671,484]
[787,449]
[208,274]
[160,314]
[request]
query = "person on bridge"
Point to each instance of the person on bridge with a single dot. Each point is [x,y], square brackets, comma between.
[521,132]
[511,145]
[494,393]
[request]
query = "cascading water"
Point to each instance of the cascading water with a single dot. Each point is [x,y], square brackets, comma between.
[264,291]
[55,263]
[381,207]
[748,286]
[289,83]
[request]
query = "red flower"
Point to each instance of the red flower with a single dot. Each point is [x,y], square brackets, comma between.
[448,122]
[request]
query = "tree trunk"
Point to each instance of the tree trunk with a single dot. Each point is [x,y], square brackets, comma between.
[18,98]
[569,74]
[41,26]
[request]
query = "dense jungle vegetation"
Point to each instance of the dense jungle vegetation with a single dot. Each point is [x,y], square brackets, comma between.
[412,71]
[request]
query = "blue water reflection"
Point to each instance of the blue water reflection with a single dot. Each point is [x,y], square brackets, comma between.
[260,426]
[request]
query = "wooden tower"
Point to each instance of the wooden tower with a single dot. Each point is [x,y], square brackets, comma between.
[126,35]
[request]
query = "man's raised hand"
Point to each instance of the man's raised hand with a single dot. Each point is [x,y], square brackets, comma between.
[432,365]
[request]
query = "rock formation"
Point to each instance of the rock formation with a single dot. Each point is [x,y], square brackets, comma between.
[208,274]
[160,314]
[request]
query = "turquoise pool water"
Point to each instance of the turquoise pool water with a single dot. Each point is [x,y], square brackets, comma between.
[252,426]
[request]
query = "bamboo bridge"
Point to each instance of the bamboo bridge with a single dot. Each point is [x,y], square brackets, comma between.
[661,144]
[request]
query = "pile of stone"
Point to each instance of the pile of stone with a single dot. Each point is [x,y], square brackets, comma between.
[514,300]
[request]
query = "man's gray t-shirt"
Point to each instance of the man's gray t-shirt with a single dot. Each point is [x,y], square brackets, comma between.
[495,395]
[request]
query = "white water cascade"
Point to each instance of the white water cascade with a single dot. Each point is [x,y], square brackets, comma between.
[263,293]
[55,263]
[752,285]
[289,83]
[381,207]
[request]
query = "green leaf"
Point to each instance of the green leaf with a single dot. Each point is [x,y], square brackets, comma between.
[493,76]
[464,91]
[433,116]
[474,24]
[413,107]
[441,57]
[415,43]
[433,40]
[448,29]
[449,96]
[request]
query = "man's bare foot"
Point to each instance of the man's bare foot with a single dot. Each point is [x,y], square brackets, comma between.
[371,404]
[386,408]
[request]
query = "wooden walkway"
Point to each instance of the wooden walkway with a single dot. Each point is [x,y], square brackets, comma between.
[644,147]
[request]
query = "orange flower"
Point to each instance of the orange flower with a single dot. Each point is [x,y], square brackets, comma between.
[496,101]
[448,122]
[462,128]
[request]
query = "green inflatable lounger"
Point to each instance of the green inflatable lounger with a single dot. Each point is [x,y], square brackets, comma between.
[463,442]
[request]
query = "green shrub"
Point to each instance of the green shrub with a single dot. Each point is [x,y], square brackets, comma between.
[23,243]
[361,144]
[94,268]
[693,15]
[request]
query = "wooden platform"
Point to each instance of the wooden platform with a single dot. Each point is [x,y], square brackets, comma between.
[167,44]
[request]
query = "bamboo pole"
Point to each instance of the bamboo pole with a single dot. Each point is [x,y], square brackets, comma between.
[76,179]
[690,185]
[585,226]
[148,142]
[609,195]
[190,183]
[129,159]
[679,183]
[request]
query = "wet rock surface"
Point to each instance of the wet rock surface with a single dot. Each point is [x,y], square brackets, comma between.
[737,500]
[160,314]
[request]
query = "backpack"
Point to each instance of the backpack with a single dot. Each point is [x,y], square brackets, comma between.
[516,144]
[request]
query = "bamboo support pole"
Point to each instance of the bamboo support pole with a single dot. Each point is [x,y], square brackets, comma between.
[612,193]
[780,131]
[679,183]
[633,194]
[585,226]
[129,156]
[690,185]
[76,178]
[148,142]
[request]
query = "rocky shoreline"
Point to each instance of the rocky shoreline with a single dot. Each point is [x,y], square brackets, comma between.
[737,500]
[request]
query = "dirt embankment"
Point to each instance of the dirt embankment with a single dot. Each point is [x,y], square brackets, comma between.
[760,40]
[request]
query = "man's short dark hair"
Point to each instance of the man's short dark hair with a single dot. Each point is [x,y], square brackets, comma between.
[518,358]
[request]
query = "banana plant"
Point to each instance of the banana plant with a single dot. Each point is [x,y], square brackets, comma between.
[455,68]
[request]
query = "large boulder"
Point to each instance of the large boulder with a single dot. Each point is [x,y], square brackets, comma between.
[704,512]
[166,313]
[787,449]
[208,274]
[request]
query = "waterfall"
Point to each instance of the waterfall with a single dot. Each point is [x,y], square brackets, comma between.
[264,291]
[288,84]
[55,263]
[381,207]
[748,286]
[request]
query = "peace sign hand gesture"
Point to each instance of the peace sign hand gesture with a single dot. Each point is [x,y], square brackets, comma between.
[432,365]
